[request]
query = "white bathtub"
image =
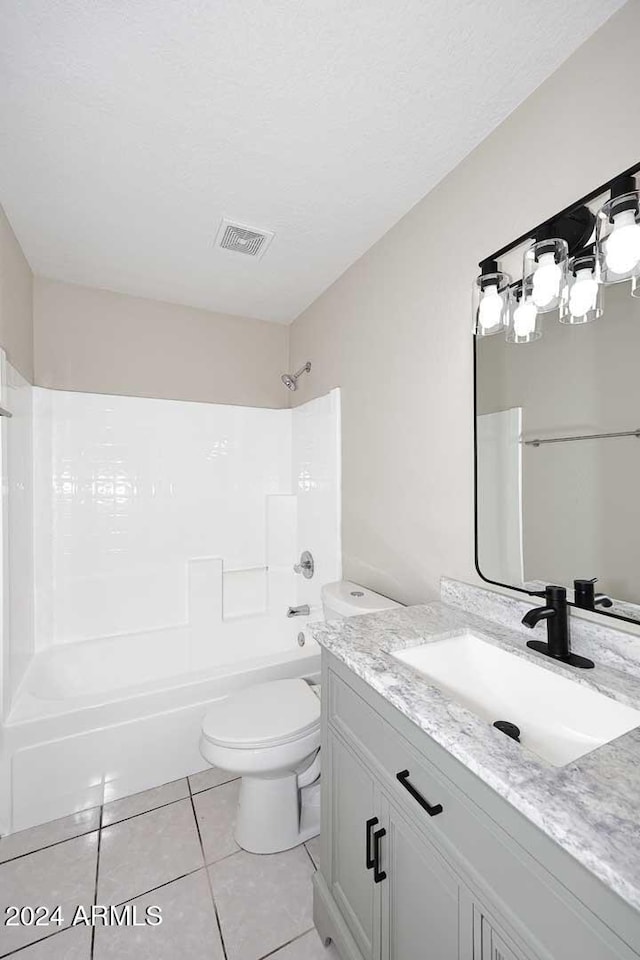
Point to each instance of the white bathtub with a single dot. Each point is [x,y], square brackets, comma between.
[97,720]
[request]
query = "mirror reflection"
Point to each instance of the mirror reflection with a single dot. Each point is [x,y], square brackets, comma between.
[558,456]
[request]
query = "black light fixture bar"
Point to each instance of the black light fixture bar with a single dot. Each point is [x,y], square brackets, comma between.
[572,206]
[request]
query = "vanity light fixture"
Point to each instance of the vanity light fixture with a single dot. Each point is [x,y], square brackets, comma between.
[566,261]
[524,316]
[545,267]
[618,233]
[490,300]
[584,302]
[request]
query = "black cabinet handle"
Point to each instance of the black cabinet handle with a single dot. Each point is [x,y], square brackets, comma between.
[369,859]
[432,809]
[378,874]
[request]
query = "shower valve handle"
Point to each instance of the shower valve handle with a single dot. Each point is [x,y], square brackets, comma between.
[306,566]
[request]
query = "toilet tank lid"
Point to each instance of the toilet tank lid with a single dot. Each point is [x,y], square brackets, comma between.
[265,714]
[348,598]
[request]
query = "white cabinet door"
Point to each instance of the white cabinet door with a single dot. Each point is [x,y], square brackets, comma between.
[422,912]
[353,812]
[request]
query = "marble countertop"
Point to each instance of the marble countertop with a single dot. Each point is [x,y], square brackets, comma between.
[590,807]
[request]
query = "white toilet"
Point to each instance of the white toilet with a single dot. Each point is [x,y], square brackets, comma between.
[346,599]
[269,735]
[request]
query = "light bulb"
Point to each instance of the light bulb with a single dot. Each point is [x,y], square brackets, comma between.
[623,244]
[584,293]
[546,280]
[490,309]
[524,319]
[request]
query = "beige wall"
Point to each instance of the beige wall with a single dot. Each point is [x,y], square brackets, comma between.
[394,330]
[16,293]
[102,342]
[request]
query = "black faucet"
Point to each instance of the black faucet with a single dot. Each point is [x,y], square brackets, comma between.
[556,613]
[585,596]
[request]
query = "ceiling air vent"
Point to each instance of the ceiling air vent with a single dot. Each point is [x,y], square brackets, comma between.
[239,238]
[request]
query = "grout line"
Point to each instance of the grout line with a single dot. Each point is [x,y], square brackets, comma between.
[104,826]
[48,846]
[217,916]
[62,930]
[54,933]
[145,893]
[227,856]
[197,826]
[100,826]
[287,944]
[98,829]
[194,793]
[33,943]
[95,889]
[313,863]
[169,803]
[120,903]
[133,816]
[213,899]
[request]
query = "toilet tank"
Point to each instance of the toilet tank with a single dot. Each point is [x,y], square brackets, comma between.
[346,599]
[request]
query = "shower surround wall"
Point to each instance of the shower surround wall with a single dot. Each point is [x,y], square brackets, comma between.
[141,497]
[165,536]
[16,524]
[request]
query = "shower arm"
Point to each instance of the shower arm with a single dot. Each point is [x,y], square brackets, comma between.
[305,369]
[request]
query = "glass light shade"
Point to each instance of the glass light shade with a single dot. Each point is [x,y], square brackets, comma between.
[584,300]
[524,316]
[490,303]
[545,269]
[618,238]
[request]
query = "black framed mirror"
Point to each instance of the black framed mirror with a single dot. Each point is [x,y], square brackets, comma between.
[557,406]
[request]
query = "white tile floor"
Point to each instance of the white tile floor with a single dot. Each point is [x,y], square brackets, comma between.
[170,847]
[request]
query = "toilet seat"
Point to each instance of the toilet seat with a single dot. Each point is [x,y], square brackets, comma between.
[265,715]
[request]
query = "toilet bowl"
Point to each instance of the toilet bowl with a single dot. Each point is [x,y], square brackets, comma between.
[269,735]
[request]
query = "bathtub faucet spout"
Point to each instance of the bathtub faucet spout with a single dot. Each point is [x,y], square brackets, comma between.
[301,611]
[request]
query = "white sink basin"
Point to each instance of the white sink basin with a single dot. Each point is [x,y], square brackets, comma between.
[559,720]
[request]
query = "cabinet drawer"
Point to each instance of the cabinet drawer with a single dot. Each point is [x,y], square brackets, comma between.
[531,901]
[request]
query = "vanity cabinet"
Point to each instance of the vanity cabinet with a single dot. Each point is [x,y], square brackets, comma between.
[489,944]
[420,860]
[354,803]
[421,902]
[398,897]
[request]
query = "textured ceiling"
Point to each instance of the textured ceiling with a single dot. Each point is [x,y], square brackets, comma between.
[129,128]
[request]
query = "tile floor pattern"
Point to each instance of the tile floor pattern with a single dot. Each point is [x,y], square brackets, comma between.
[171,847]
